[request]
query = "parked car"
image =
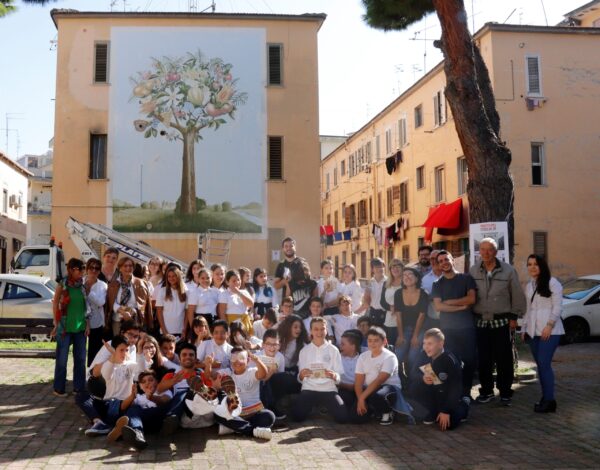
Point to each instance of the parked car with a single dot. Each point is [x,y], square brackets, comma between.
[26,301]
[581,308]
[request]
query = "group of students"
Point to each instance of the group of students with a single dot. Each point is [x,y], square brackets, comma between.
[167,349]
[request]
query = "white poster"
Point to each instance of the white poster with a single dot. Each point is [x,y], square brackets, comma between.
[187,126]
[496,230]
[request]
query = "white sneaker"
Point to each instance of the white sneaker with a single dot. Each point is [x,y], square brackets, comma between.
[262,433]
[224,430]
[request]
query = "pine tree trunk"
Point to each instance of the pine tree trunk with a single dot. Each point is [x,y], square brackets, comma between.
[471,99]
[187,201]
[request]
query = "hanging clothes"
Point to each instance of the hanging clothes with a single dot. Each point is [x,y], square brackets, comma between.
[337,236]
[347,235]
[390,165]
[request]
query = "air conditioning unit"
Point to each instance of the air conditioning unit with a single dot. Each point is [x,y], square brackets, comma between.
[325,195]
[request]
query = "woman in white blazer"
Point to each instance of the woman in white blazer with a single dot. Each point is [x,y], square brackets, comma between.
[542,326]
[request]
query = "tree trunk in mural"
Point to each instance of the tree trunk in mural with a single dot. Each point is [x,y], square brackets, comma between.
[187,201]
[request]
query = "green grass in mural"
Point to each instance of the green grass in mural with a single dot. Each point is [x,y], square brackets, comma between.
[166,221]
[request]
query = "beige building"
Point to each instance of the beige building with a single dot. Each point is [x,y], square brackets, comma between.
[39,195]
[93,136]
[13,209]
[380,186]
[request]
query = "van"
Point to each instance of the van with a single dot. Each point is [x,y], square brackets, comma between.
[40,260]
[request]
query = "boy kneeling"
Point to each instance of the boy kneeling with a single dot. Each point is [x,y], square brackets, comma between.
[440,393]
[377,384]
[320,366]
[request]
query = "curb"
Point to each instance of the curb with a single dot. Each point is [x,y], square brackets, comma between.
[28,353]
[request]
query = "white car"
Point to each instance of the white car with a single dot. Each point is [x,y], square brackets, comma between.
[581,308]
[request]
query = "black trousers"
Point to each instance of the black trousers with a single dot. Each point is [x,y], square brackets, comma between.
[494,348]
[94,343]
[308,399]
[245,426]
[425,406]
[378,403]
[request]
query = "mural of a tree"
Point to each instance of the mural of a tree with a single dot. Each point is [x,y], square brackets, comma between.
[179,97]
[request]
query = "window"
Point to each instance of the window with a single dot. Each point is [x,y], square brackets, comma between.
[350,216]
[274,72]
[101,62]
[98,156]
[275,152]
[439,184]
[532,75]
[343,167]
[420,241]
[335,182]
[406,254]
[5,200]
[328,219]
[14,291]
[370,209]
[344,215]
[421,177]
[379,206]
[362,212]
[378,147]
[404,197]
[540,244]
[344,258]
[388,141]
[335,221]
[368,152]
[537,164]
[389,202]
[439,109]
[327,182]
[418,116]
[402,136]
[463,175]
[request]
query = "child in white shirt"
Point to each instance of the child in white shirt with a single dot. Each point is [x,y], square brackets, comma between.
[268,320]
[315,308]
[217,347]
[377,380]
[345,320]
[320,366]
[327,288]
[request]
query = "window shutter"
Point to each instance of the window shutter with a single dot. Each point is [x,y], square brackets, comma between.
[347,217]
[275,158]
[533,75]
[275,63]
[101,63]
[540,244]
[436,110]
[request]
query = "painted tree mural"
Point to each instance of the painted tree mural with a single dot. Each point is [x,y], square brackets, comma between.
[181,96]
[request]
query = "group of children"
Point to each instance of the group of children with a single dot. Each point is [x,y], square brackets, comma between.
[229,353]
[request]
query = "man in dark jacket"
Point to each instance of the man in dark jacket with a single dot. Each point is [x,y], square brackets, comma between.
[500,301]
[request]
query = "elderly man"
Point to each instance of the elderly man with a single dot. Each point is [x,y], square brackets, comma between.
[500,301]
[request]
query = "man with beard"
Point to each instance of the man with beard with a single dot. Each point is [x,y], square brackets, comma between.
[424,264]
[283,271]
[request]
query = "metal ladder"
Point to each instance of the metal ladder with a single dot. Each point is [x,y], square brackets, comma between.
[214,246]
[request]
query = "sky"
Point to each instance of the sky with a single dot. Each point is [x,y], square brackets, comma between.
[360,69]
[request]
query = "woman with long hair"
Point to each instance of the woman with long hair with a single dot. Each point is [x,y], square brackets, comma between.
[239,338]
[391,286]
[234,302]
[199,331]
[150,357]
[191,275]
[218,276]
[171,303]
[155,270]
[542,326]
[246,282]
[292,338]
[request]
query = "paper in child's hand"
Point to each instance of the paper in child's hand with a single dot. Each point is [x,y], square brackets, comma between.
[428,371]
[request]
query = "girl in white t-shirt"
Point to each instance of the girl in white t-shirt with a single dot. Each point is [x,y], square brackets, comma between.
[234,303]
[376,380]
[349,286]
[393,284]
[171,303]
[345,320]
[264,293]
[200,331]
[202,299]
[218,276]
[327,288]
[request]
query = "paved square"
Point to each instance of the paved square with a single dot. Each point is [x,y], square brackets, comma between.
[38,430]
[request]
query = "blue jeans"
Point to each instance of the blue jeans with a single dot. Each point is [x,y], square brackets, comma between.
[63,341]
[148,419]
[406,353]
[543,351]
[106,410]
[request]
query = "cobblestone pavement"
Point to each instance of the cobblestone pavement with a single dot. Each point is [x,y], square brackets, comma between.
[38,430]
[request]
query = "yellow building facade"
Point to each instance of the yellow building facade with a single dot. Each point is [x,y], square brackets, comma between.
[407,161]
[275,121]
